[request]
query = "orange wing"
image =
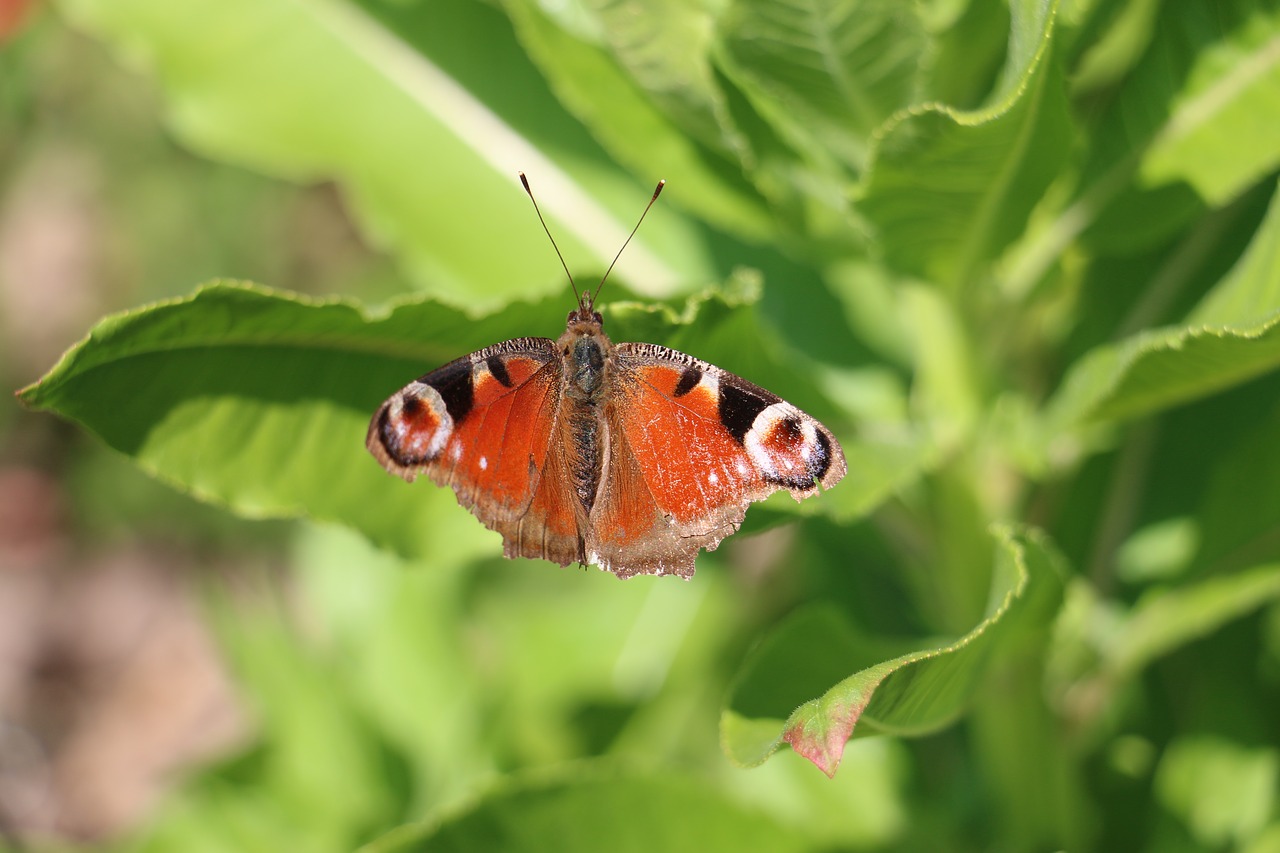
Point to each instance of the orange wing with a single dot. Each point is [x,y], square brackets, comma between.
[690,447]
[481,425]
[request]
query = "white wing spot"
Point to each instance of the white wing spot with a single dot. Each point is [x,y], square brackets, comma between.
[712,478]
[484,463]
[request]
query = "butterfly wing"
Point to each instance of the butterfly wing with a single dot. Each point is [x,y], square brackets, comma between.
[482,425]
[690,447]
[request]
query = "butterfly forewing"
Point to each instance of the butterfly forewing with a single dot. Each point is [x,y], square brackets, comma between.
[481,425]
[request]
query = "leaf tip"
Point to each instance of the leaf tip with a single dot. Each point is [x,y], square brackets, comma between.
[824,745]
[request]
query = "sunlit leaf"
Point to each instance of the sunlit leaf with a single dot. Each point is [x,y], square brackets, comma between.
[1177,133]
[1222,790]
[1218,137]
[415,131]
[259,401]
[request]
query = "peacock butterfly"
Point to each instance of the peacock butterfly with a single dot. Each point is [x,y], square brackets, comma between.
[629,456]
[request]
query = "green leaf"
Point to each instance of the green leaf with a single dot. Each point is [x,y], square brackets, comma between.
[1237,533]
[1120,40]
[947,190]
[1168,619]
[664,46]
[425,138]
[590,808]
[829,70]
[1223,791]
[259,400]
[1250,293]
[971,39]
[1232,337]
[1162,368]
[945,391]
[1180,130]
[905,692]
[1219,137]
[590,83]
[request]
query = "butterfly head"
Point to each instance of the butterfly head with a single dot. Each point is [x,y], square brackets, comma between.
[586,312]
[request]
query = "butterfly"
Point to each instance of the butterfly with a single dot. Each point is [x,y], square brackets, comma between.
[630,456]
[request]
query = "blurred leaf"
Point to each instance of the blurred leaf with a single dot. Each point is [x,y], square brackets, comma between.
[1218,136]
[664,46]
[590,808]
[828,70]
[865,807]
[1164,367]
[1223,791]
[1119,44]
[915,692]
[1177,132]
[1164,620]
[947,190]
[971,40]
[1239,509]
[1250,293]
[429,164]
[1159,551]
[394,638]
[317,775]
[591,85]
[944,391]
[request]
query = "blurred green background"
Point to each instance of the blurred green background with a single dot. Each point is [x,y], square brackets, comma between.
[1022,257]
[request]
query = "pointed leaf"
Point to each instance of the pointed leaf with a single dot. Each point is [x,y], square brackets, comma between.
[260,400]
[904,691]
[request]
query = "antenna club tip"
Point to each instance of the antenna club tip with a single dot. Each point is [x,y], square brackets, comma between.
[525,182]
[662,183]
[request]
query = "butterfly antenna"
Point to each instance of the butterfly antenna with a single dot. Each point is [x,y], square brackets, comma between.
[525,182]
[656,191]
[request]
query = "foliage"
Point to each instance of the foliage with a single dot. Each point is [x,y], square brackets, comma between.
[1023,258]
